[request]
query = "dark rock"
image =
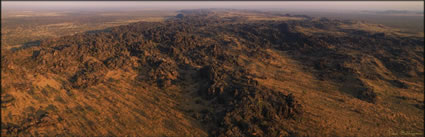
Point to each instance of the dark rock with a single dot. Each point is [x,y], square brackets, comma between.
[368,95]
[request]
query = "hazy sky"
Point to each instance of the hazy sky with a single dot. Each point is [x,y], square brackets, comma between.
[318,5]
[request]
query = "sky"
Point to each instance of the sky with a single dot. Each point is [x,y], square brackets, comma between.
[307,5]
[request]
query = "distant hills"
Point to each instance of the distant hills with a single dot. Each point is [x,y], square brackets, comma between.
[407,12]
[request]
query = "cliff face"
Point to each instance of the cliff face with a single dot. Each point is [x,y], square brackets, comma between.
[203,73]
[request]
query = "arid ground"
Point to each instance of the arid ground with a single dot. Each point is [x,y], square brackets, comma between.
[216,72]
